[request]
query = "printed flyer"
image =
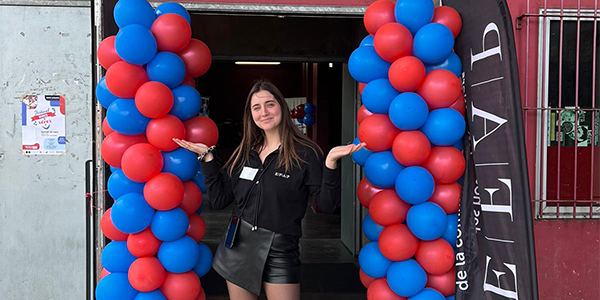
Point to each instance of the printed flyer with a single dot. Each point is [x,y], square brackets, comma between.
[43,125]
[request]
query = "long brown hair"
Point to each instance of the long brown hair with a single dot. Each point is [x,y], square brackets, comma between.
[254,137]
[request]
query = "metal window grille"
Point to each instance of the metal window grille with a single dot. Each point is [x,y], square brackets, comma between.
[561,108]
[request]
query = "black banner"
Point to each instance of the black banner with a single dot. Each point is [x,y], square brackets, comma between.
[495,255]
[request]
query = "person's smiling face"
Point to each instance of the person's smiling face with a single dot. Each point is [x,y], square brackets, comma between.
[266,111]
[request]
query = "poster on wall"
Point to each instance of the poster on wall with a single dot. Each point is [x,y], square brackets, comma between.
[43,125]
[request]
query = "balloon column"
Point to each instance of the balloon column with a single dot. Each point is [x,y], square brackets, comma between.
[304,114]
[411,118]
[149,94]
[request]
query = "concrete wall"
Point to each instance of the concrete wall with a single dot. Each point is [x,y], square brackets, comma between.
[42,204]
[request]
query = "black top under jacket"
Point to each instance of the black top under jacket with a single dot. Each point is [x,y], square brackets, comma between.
[281,197]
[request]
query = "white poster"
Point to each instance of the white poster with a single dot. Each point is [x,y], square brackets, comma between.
[43,124]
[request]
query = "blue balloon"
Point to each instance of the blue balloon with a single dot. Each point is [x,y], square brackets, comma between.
[460,180]
[451,231]
[368,41]
[381,169]
[116,257]
[181,163]
[205,261]
[113,169]
[444,127]
[104,96]
[378,95]
[186,102]
[199,179]
[452,63]
[371,229]
[170,225]
[372,262]
[427,221]
[428,294]
[450,297]
[406,278]
[414,14]
[408,111]
[173,8]
[123,117]
[415,185]
[179,256]
[308,120]
[199,211]
[119,185]
[360,156]
[115,286]
[309,108]
[135,44]
[433,43]
[131,213]
[129,12]
[154,295]
[167,68]
[300,120]
[365,65]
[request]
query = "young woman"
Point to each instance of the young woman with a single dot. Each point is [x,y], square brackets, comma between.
[270,176]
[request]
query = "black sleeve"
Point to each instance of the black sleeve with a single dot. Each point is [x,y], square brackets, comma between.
[218,184]
[323,183]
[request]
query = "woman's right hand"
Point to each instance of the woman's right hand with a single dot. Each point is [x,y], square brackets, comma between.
[198,148]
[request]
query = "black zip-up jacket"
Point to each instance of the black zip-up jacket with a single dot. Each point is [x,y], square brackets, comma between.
[281,197]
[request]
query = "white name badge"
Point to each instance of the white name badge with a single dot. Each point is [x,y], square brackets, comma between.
[248,173]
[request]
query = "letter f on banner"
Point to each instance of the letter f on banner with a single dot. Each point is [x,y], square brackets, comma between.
[487,287]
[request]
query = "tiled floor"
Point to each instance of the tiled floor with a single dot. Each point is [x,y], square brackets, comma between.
[329,271]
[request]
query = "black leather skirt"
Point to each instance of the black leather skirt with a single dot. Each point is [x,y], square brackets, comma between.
[257,256]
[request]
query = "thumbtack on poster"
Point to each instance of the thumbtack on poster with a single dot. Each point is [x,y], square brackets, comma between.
[43,125]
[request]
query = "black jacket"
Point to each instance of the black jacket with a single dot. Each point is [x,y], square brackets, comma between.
[281,197]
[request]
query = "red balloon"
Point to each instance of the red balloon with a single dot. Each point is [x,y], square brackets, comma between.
[446,164]
[109,229]
[386,208]
[197,228]
[201,130]
[300,113]
[107,54]
[440,89]
[393,41]
[189,81]
[124,79]
[106,128]
[172,32]
[380,290]
[377,14]
[184,286]
[164,191]
[154,99]
[459,104]
[115,144]
[103,273]
[406,74]
[411,148]
[446,15]
[141,162]
[202,295]
[146,274]
[143,244]
[196,57]
[378,132]
[192,198]
[365,279]
[445,283]
[397,243]
[447,196]
[362,114]
[361,86]
[365,192]
[161,131]
[436,257]
[293,114]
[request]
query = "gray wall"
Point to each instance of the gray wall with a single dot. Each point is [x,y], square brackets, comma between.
[42,205]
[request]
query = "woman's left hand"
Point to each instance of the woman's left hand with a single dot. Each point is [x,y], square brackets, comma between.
[339,152]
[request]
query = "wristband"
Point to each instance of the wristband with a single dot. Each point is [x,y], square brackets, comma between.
[210,149]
